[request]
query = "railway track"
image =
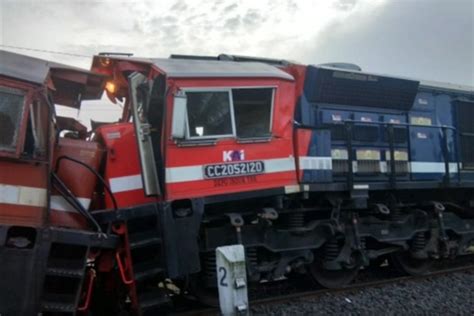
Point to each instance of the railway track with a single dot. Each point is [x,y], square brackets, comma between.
[315,293]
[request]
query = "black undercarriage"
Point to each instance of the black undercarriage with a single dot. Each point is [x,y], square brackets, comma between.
[312,232]
[326,235]
[339,231]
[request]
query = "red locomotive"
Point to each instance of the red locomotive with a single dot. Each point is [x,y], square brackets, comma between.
[47,183]
[314,169]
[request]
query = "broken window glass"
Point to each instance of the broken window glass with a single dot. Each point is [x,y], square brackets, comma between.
[209,114]
[241,112]
[11,110]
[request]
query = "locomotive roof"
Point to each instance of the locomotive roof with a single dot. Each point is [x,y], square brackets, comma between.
[426,84]
[447,86]
[31,69]
[77,83]
[182,68]
[23,67]
[192,68]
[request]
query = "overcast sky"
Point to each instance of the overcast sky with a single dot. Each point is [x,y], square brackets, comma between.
[427,39]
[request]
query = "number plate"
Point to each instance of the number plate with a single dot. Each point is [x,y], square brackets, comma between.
[235,169]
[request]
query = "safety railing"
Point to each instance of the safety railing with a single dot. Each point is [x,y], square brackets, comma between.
[389,127]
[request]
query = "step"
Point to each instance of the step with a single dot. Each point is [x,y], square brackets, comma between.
[146,270]
[152,299]
[65,268]
[63,263]
[139,240]
[58,307]
[67,273]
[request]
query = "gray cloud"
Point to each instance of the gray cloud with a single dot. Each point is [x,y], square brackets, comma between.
[292,6]
[253,18]
[230,8]
[179,6]
[345,5]
[232,23]
[428,39]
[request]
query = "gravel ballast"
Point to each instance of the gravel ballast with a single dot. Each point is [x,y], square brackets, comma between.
[451,294]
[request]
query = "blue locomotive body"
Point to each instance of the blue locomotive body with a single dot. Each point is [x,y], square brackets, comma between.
[363,120]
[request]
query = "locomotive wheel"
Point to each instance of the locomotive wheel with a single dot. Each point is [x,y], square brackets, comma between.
[332,279]
[405,263]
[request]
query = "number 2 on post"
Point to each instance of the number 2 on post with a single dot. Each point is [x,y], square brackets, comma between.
[222,281]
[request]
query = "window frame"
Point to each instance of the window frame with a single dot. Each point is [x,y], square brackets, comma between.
[39,116]
[231,103]
[231,106]
[20,141]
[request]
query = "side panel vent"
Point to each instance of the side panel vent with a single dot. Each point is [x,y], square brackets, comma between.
[333,86]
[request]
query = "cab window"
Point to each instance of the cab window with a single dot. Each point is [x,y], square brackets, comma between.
[209,114]
[239,112]
[11,113]
[253,110]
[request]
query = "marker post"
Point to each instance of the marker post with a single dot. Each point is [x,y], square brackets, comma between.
[232,280]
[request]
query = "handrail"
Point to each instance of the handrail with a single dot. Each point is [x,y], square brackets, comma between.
[72,200]
[393,171]
[98,176]
[389,126]
[122,270]
[305,126]
[350,157]
[87,301]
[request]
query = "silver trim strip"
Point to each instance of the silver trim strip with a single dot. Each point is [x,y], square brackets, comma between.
[315,163]
[195,173]
[432,167]
[22,195]
[127,183]
[58,203]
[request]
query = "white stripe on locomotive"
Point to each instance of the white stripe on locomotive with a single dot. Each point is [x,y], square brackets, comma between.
[195,173]
[58,203]
[23,195]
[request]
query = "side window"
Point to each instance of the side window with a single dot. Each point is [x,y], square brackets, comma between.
[209,114]
[244,113]
[253,112]
[11,113]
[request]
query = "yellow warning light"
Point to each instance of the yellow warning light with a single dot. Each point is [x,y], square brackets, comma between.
[110,87]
